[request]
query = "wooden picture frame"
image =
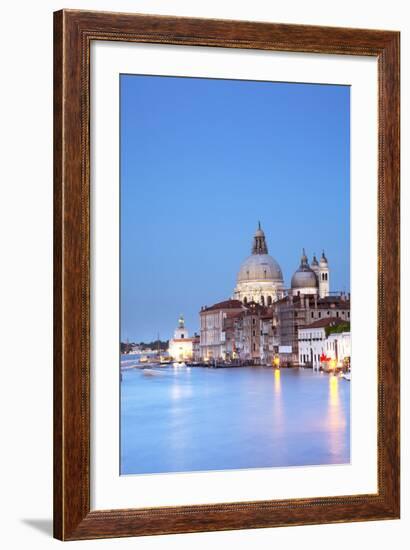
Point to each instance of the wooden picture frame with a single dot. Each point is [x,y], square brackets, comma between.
[74,32]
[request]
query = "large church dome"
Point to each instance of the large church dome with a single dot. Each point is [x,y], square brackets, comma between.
[260,277]
[260,267]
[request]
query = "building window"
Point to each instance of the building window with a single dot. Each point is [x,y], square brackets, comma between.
[245,300]
[269,300]
[312,314]
[320,314]
[253,333]
[182,335]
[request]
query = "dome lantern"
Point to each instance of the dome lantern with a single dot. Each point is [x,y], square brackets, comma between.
[259,242]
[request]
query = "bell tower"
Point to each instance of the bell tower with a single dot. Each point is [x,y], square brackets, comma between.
[324,279]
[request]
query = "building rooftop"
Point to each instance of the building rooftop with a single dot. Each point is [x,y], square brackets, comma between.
[227,304]
[329,302]
[322,323]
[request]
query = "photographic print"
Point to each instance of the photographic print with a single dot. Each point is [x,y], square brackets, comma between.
[235,347]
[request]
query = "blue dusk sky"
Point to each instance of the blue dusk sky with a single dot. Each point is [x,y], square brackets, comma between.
[202,160]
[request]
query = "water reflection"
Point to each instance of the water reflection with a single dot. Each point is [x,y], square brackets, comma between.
[336,417]
[277,382]
[214,419]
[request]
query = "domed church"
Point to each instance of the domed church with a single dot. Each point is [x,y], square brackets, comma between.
[260,277]
[313,278]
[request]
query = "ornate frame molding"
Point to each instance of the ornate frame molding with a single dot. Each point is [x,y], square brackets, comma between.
[73,33]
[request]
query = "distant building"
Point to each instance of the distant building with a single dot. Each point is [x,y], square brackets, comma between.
[181,345]
[313,344]
[212,334]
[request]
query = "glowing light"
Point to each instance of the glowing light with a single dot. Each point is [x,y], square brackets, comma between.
[332,363]
[276,361]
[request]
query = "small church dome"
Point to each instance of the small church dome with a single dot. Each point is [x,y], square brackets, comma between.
[304,277]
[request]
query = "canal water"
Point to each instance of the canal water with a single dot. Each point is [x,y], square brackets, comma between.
[182,419]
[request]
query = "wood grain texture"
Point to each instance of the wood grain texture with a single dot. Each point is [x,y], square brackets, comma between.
[73,33]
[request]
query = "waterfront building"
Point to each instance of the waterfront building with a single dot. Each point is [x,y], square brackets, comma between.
[181,345]
[295,312]
[212,334]
[249,335]
[249,324]
[338,347]
[313,342]
[230,328]
[269,344]
[260,277]
[196,350]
